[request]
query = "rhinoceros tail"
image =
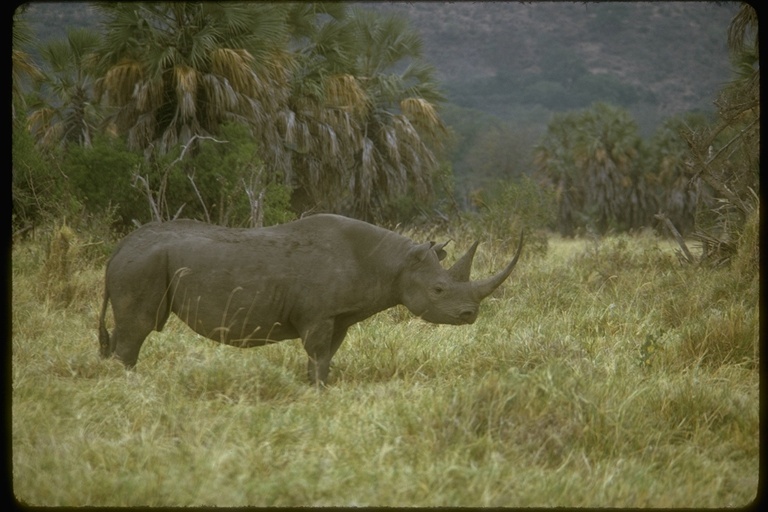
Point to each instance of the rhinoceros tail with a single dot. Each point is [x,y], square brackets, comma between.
[105,347]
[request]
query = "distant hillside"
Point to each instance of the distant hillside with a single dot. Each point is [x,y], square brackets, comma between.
[491,55]
[669,56]
[507,67]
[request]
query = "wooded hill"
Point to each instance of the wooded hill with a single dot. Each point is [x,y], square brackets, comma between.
[507,67]
[501,57]
[513,58]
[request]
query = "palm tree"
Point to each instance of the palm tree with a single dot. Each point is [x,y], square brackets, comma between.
[64,112]
[316,83]
[725,155]
[591,159]
[554,161]
[23,66]
[403,129]
[174,71]
[677,191]
[743,31]
[363,122]
[321,121]
[607,151]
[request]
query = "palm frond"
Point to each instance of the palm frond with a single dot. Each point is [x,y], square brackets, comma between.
[423,114]
[148,95]
[345,92]
[743,30]
[186,79]
[23,66]
[236,66]
[119,82]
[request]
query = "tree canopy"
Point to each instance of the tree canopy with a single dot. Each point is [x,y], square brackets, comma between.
[339,101]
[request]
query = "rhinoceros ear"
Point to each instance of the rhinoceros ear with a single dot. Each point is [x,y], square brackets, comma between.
[417,253]
[438,248]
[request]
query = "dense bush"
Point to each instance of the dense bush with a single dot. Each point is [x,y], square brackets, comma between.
[39,193]
[100,178]
[210,181]
[220,181]
[511,207]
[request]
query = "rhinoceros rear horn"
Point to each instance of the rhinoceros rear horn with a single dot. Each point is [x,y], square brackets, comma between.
[485,287]
[460,270]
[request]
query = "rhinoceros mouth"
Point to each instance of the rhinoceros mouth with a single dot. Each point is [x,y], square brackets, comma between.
[467,317]
[463,318]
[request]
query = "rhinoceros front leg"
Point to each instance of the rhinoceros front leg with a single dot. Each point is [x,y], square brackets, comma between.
[321,342]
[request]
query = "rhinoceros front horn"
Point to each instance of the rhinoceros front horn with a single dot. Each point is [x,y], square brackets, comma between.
[485,287]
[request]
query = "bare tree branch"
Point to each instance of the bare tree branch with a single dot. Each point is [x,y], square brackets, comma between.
[186,146]
[152,204]
[675,233]
[256,203]
[191,178]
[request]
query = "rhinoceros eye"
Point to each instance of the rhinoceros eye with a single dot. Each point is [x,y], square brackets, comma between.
[438,289]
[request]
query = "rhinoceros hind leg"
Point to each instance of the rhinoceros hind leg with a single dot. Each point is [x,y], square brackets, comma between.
[128,345]
[135,317]
[131,331]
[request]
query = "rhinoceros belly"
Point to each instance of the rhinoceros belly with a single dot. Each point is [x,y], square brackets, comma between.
[245,316]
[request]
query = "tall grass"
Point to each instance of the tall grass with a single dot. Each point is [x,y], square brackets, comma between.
[552,398]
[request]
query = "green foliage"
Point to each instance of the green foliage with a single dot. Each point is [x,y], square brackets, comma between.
[513,206]
[100,178]
[386,143]
[64,112]
[338,100]
[591,159]
[38,191]
[277,204]
[412,210]
[724,155]
[668,162]
[178,72]
[216,182]
[486,150]
[223,171]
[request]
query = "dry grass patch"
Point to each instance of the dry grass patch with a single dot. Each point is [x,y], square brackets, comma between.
[601,375]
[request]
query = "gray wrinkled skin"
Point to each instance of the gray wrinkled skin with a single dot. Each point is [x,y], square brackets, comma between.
[311,279]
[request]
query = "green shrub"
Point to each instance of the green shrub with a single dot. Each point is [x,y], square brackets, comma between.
[513,206]
[215,182]
[38,192]
[100,178]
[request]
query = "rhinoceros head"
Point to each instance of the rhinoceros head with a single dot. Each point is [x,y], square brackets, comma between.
[447,296]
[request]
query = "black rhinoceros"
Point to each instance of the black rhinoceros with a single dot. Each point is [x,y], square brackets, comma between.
[311,279]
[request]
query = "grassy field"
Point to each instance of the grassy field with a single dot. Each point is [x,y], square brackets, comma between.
[602,374]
